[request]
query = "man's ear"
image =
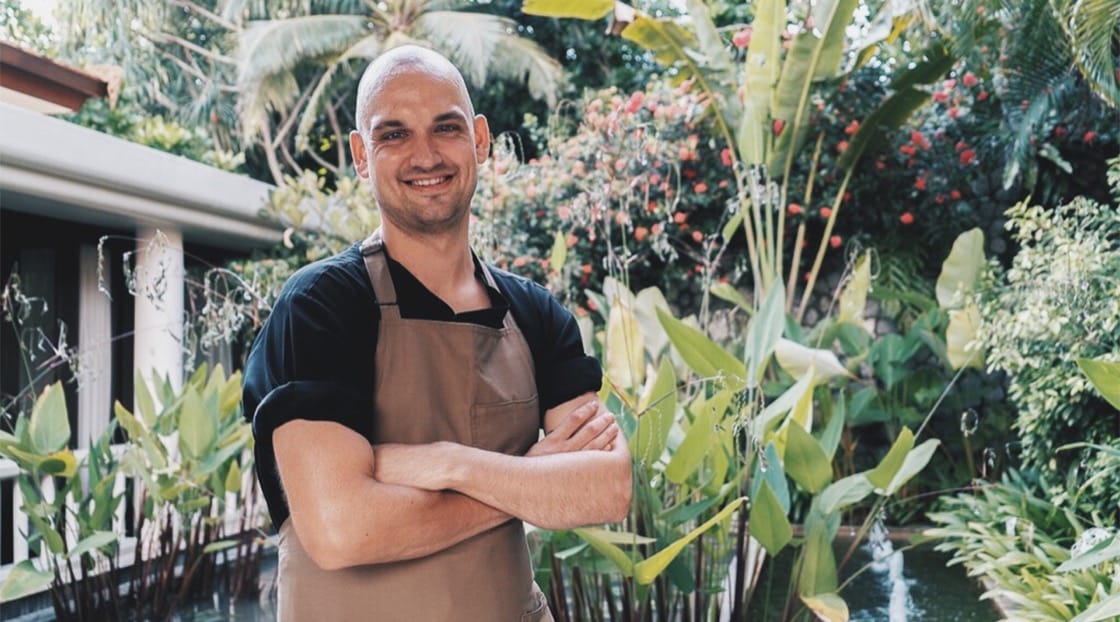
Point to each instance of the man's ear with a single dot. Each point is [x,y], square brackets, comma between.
[481,138]
[358,151]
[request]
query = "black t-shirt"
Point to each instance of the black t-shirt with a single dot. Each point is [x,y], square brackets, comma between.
[314,357]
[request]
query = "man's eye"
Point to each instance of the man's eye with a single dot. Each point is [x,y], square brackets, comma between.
[447,127]
[394,135]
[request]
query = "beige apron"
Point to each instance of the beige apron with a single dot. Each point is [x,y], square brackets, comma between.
[435,381]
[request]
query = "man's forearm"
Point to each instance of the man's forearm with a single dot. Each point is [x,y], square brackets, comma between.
[557,491]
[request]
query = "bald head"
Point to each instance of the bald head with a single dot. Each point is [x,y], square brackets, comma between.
[401,60]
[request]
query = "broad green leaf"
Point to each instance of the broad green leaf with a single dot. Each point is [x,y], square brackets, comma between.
[220,545]
[1105,376]
[1107,609]
[625,348]
[720,460]
[827,607]
[830,438]
[646,304]
[962,346]
[805,460]
[59,464]
[786,401]
[961,269]
[881,476]
[50,426]
[725,291]
[96,541]
[658,408]
[763,66]
[233,478]
[1105,551]
[702,354]
[764,332]
[699,439]
[796,360]
[769,524]
[589,10]
[231,393]
[772,474]
[916,460]
[685,512]
[51,536]
[845,492]
[732,225]
[621,538]
[24,579]
[198,426]
[608,550]
[130,424]
[853,300]
[559,253]
[645,572]
[818,561]
[145,407]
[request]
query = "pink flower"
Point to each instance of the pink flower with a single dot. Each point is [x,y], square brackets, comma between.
[725,156]
[794,209]
[920,183]
[852,128]
[635,103]
[842,146]
[826,212]
[941,97]
[970,80]
[640,233]
[835,241]
[779,125]
[700,188]
[906,218]
[697,237]
[742,38]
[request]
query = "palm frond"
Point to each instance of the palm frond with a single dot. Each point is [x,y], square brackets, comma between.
[339,73]
[273,93]
[277,46]
[1093,27]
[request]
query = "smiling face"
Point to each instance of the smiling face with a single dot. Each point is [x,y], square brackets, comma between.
[420,146]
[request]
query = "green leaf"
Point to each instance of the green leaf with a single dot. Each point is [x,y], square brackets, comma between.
[699,439]
[769,524]
[96,541]
[608,550]
[658,409]
[59,464]
[50,426]
[702,354]
[620,538]
[559,253]
[233,478]
[763,67]
[845,492]
[806,461]
[785,402]
[853,299]
[828,607]
[589,10]
[54,541]
[764,332]
[220,545]
[961,344]
[830,438]
[818,561]
[24,580]
[145,406]
[732,225]
[1105,376]
[625,347]
[797,360]
[645,572]
[881,476]
[916,460]
[961,270]
[1107,609]
[773,474]
[198,426]
[726,291]
[646,304]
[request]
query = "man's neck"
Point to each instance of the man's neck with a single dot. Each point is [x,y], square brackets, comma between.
[443,263]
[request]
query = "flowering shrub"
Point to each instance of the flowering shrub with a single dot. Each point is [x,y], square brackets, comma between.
[1059,301]
[633,187]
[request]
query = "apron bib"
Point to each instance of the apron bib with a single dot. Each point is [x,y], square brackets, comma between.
[435,381]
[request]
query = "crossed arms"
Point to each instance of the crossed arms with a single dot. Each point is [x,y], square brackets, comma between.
[352,503]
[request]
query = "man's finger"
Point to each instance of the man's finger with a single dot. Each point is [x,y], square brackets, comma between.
[576,419]
[592,429]
[605,438]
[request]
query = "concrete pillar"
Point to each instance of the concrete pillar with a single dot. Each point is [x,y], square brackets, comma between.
[95,351]
[160,280]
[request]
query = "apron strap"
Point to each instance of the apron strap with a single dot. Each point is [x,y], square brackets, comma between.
[378,270]
[507,321]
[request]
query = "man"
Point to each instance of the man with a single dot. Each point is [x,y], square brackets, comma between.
[397,391]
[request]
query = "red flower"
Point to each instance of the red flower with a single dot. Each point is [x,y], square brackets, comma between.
[572,240]
[941,96]
[794,209]
[835,241]
[635,103]
[779,125]
[982,96]
[520,261]
[920,183]
[1059,131]
[961,145]
[852,128]
[949,84]
[842,146]
[917,137]
[908,150]
[906,218]
[826,212]
[742,38]
[700,188]
[585,268]
[954,112]
[1089,136]
[725,156]
[656,228]
[689,173]
[640,233]
[697,237]
[967,157]
[880,165]
[679,217]
[955,195]
[655,179]
[970,79]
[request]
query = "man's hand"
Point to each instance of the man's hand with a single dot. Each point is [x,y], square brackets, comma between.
[588,427]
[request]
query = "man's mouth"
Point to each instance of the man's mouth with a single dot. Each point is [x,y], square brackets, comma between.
[428,181]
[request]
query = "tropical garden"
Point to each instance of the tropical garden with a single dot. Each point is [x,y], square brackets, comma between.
[852,268]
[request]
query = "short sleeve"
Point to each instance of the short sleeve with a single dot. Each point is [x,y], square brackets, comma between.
[568,371]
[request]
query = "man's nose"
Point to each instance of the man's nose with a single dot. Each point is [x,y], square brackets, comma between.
[426,154]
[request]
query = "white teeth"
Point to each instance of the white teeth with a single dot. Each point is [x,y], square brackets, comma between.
[427,182]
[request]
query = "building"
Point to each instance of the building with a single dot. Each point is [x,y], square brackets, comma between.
[76,207]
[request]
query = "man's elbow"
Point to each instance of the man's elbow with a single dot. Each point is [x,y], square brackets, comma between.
[334,548]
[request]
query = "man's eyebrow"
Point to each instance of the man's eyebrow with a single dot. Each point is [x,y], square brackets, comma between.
[388,123]
[451,116]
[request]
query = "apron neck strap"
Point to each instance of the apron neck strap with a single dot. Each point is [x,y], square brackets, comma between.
[373,253]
